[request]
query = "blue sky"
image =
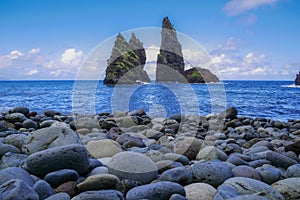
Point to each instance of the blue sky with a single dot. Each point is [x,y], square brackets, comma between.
[246,39]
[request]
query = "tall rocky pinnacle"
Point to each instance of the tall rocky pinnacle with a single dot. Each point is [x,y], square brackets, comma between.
[125,65]
[297,80]
[170,63]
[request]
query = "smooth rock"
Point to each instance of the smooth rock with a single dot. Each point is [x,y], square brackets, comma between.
[73,156]
[43,189]
[213,173]
[16,140]
[133,166]
[3,126]
[236,186]
[86,122]
[164,165]
[103,148]
[279,160]
[269,174]
[289,188]
[179,175]
[177,197]
[15,117]
[56,178]
[20,109]
[211,153]
[17,189]
[49,137]
[5,148]
[47,123]
[155,191]
[198,191]
[187,146]
[100,194]
[28,123]
[68,188]
[12,160]
[99,170]
[293,171]
[125,185]
[245,171]
[15,173]
[98,182]
[59,196]
[177,158]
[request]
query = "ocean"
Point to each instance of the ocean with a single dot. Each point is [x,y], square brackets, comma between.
[279,100]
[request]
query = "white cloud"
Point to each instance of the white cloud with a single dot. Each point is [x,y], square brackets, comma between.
[15,55]
[32,72]
[71,57]
[34,51]
[237,7]
[248,20]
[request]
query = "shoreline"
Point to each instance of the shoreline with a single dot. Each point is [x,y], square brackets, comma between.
[131,155]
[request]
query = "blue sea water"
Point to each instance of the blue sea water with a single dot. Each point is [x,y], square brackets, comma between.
[278,100]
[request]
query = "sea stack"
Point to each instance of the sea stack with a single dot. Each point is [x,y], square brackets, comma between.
[170,63]
[297,80]
[125,65]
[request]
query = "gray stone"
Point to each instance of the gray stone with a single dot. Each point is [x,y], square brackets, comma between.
[17,190]
[177,157]
[59,196]
[242,186]
[269,175]
[15,117]
[28,123]
[289,188]
[249,197]
[279,160]
[293,171]
[211,153]
[236,160]
[49,137]
[3,126]
[177,197]
[15,173]
[187,146]
[164,165]
[246,171]
[103,148]
[198,191]
[99,170]
[56,178]
[47,123]
[98,182]
[20,109]
[73,156]
[43,189]
[133,166]
[213,173]
[16,140]
[155,191]
[12,160]
[100,194]
[179,175]
[49,113]
[4,148]
[86,122]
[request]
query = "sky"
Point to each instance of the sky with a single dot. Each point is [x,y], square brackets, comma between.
[245,39]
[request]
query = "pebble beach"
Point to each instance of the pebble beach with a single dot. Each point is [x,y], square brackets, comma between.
[130,155]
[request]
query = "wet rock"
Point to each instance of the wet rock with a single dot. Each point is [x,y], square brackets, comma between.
[237,186]
[100,194]
[98,182]
[43,189]
[213,173]
[15,173]
[155,191]
[17,189]
[20,109]
[49,137]
[198,191]
[73,156]
[133,166]
[179,175]
[56,178]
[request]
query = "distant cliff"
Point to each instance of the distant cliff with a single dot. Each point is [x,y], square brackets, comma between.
[200,75]
[297,80]
[126,63]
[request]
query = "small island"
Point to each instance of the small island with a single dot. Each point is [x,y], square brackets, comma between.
[127,61]
[297,80]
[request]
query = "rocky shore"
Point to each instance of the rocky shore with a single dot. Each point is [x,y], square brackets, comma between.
[129,155]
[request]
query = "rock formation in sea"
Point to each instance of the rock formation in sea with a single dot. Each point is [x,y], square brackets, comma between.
[170,63]
[125,65]
[297,80]
[200,75]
